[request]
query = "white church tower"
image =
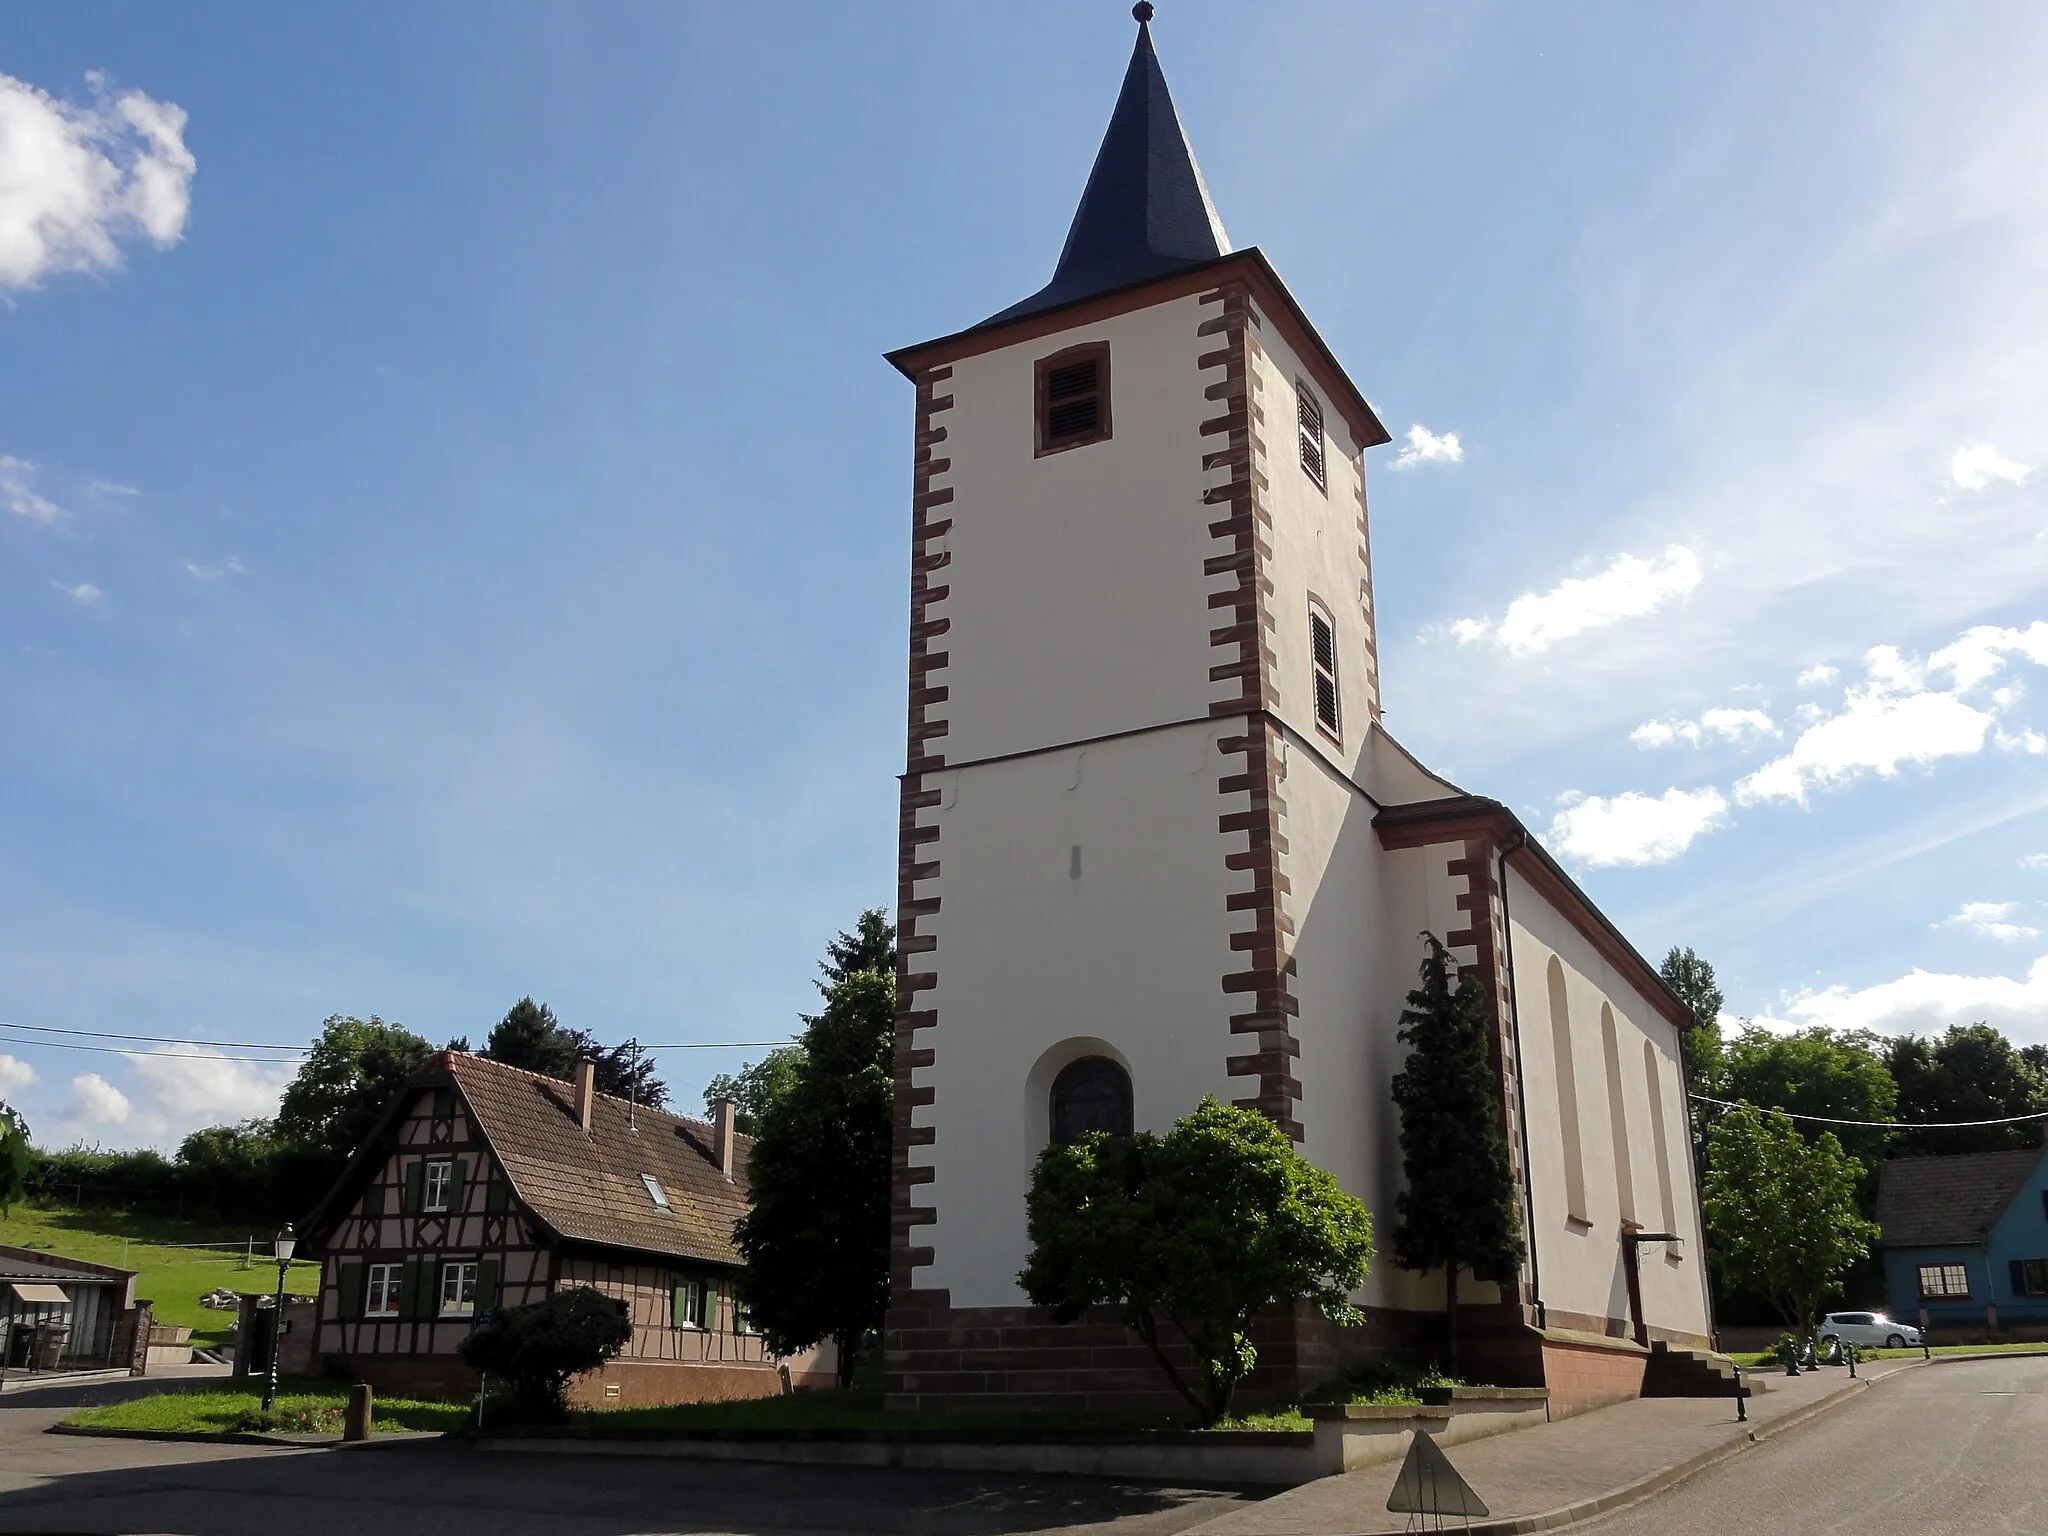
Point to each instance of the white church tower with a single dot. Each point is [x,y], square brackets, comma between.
[1154,843]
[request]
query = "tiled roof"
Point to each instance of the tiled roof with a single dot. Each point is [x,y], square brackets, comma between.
[1928,1202]
[586,1186]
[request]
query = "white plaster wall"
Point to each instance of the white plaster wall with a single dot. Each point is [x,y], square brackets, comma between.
[1078,602]
[1580,1263]
[1315,549]
[1032,961]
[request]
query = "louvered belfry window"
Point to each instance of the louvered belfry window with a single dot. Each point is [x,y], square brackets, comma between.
[1322,644]
[1308,414]
[1073,398]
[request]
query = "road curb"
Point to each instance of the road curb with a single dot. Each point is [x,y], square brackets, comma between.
[242,1437]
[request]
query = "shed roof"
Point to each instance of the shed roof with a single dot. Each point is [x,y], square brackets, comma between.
[1935,1202]
[34,1268]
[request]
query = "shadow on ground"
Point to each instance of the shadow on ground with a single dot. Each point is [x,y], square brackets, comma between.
[64,1483]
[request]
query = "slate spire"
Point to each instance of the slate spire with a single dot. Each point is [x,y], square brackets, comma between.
[1145,212]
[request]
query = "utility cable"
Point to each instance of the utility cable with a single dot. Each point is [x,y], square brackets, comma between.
[1875,1125]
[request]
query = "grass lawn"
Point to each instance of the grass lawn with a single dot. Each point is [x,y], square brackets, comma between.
[305,1405]
[173,1278]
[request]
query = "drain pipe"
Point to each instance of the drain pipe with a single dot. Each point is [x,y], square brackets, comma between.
[1521,1084]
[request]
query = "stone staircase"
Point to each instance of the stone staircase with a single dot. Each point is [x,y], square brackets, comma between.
[1692,1373]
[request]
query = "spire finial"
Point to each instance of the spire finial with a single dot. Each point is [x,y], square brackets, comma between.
[1142,12]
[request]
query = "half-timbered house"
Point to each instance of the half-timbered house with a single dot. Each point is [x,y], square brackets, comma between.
[485,1186]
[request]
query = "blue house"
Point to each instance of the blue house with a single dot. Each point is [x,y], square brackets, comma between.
[1965,1239]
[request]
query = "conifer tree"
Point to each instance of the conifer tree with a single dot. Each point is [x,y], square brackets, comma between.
[1458,1211]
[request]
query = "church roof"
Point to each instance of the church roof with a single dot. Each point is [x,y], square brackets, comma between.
[1145,212]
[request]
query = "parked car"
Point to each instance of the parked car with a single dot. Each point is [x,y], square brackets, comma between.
[1868,1330]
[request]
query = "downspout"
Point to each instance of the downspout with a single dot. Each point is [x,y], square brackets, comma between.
[1521,1094]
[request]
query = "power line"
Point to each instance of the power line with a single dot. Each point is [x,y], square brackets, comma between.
[117,1050]
[101,1034]
[718,1045]
[1878,1125]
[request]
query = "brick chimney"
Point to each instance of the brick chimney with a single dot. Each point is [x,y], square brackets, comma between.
[586,1091]
[721,1134]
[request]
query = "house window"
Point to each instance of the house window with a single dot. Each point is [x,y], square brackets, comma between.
[439,1177]
[1073,398]
[1308,415]
[1944,1282]
[2030,1277]
[1322,646]
[380,1299]
[742,1320]
[1092,1094]
[458,1289]
[689,1304]
[655,1192]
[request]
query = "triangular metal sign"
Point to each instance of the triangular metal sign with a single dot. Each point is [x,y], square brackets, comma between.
[1430,1485]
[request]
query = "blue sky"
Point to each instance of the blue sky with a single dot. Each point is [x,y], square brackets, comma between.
[453,510]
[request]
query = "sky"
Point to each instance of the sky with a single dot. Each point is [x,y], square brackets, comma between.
[454,511]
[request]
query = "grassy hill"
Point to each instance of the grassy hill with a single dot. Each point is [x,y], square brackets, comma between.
[172,1277]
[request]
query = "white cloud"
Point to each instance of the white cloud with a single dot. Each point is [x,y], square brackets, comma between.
[19,495]
[1976,465]
[1990,920]
[15,1074]
[1819,675]
[2035,861]
[1426,447]
[1736,725]
[1893,717]
[1634,828]
[83,592]
[95,1101]
[229,567]
[76,181]
[1927,1002]
[202,1088]
[111,488]
[1629,588]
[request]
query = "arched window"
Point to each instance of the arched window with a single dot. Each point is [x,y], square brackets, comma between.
[1092,1094]
[1567,1097]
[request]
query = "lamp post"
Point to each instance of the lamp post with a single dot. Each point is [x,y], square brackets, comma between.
[282,1246]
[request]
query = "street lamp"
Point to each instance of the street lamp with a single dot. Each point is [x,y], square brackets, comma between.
[282,1246]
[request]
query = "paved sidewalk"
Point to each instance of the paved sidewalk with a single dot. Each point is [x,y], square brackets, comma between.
[1566,1471]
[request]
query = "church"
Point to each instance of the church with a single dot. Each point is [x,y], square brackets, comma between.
[1155,842]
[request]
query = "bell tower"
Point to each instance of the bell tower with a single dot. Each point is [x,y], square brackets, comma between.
[1141,606]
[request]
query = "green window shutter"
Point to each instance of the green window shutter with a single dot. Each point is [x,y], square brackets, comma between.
[679,1304]
[348,1287]
[373,1200]
[2018,1273]
[710,1304]
[415,1186]
[444,1103]
[411,1281]
[455,1187]
[487,1282]
[430,1288]
[497,1196]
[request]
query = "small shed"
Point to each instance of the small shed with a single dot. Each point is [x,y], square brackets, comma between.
[59,1314]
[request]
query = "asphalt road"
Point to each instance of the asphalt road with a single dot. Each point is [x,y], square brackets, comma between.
[64,1483]
[1959,1448]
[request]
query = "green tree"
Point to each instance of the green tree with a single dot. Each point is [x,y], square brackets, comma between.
[1782,1211]
[869,945]
[17,1158]
[756,1086]
[347,1079]
[1458,1211]
[530,1038]
[1971,1073]
[816,1234]
[1692,979]
[537,1350]
[1199,1230]
[1817,1072]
